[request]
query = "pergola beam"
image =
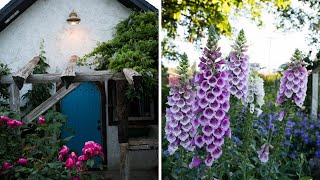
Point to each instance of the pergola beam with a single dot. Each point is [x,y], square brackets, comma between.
[22,74]
[55,77]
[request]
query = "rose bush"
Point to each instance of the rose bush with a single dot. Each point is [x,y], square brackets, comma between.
[33,150]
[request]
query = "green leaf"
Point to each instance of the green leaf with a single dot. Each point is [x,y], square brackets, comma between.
[68,138]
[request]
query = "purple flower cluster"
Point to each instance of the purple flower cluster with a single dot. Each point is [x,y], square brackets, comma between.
[293,84]
[211,105]
[302,131]
[179,129]
[238,65]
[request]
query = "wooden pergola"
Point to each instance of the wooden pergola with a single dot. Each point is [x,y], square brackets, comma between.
[71,80]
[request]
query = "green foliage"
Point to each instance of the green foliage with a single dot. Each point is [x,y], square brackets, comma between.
[164,86]
[196,16]
[39,92]
[297,56]
[184,67]
[4,93]
[213,37]
[134,45]
[241,40]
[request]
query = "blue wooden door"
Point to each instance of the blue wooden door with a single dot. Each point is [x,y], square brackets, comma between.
[83,108]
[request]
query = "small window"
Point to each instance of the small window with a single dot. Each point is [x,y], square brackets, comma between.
[141,112]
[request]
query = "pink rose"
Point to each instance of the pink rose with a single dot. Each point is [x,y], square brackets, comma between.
[79,163]
[64,150]
[6,166]
[4,118]
[19,123]
[73,155]
[69,163]
[91,148]
[88,152]
[22,161]
[12,123]
[41,120]
[82,158]
[75,178]
[60,157]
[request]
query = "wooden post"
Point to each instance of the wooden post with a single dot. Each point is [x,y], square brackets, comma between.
[124,161]
[22,74]
[14,98]
[315,92]
[122,111]
[69,73]
[122,114]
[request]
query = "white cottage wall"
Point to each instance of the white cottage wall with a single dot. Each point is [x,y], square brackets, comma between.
[46,19]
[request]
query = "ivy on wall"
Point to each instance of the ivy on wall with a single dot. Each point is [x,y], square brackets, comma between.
[134,45]
[39,92]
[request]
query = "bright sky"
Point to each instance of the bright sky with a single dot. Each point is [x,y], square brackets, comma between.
[3,3]
[267,46]
[155,3]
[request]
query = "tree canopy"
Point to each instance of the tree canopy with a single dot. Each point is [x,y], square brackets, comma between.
[197,15]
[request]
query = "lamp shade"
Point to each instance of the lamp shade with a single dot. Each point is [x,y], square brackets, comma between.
[73,18]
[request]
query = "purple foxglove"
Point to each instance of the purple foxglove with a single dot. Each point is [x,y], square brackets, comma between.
[180,120]
[263,153]
[211,104]
[238,68]
[293,83]
[281,115]
[195,162]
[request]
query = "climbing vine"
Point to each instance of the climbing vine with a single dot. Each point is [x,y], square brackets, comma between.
[134,45]
[39,92]
[4,93]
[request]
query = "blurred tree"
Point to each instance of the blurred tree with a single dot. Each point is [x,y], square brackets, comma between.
[197,15]
[164,86]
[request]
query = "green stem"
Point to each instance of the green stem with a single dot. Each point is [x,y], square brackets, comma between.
[180,163]
[209,173]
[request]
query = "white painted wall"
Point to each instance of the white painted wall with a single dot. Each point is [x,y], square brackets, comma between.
[46,19]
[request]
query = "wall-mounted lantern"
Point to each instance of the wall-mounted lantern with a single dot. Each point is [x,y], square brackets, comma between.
[73,18]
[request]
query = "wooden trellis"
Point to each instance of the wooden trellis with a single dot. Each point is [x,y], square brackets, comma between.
[71,80]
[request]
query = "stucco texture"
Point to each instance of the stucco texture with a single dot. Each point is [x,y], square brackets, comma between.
[46,19]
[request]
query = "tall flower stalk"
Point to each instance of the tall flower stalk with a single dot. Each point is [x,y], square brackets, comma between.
[238,64]
[179,129]
[293,88]
[293,83]
[212,103]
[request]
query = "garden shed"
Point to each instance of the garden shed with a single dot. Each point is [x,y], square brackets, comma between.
[93,94]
